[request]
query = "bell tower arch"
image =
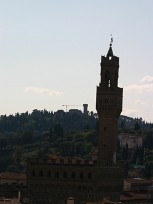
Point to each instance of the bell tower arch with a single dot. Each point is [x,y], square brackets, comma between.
[109,107]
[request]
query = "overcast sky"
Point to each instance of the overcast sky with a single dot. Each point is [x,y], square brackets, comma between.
[50,53]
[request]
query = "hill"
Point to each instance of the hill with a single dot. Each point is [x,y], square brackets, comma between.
[41,132]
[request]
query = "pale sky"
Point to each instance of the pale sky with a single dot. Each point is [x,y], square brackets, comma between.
[50,53]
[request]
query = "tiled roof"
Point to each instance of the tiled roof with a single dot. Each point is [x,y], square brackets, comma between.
[139,181]
[133,196]
[9,200]
[11,175]
[108,201]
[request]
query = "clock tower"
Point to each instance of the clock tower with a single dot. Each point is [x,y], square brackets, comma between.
[109,107]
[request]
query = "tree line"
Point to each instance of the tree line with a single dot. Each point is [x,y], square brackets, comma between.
[43,132]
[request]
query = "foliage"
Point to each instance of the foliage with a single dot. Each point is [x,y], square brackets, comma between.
[72,133]
[12,168]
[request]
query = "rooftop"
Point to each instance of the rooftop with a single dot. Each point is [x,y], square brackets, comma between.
[12,175]
[9,200]
[127,196]
[139,181]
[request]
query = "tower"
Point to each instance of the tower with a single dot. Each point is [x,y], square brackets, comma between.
[109,107]
[85,108]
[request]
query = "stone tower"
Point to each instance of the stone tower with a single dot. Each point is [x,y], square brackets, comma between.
[85,108]
[109,107]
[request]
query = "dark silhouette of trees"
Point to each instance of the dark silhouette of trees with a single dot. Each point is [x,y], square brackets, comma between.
[137,126]
[148,140]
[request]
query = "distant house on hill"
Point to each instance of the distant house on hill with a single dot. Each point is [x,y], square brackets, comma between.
[133,141]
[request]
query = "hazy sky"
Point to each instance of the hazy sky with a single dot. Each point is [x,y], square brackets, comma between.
[50,53]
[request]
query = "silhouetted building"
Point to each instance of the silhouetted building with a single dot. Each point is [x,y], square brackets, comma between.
[57,179]
[85,108]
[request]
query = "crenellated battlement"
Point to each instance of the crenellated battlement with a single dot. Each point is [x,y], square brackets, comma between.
[62,161]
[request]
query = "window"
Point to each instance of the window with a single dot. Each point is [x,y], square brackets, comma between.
[81,175]
[48,174]
[106,100]
[41,174]
[107,79]
[89,176]
[73,174]
[109,83]
[56,174]
[65,174]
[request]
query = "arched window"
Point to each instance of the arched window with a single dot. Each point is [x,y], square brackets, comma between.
[70,200]
[109,83]
[107,79]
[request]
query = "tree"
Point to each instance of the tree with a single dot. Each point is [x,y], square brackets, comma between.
[12,168]
[148,141]
[5,162]
[17,156]
[148,168]
[58,131]
[137,126]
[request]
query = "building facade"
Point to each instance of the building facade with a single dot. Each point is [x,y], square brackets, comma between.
[11,183]
[133,141]
[56,180]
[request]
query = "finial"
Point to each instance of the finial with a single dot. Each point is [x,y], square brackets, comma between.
[111,40]
[110,51]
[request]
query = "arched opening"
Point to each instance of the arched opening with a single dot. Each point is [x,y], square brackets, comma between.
[70,200]
[107,79]
[109,83]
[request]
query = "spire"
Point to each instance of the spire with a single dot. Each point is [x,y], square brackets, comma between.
[110,51]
